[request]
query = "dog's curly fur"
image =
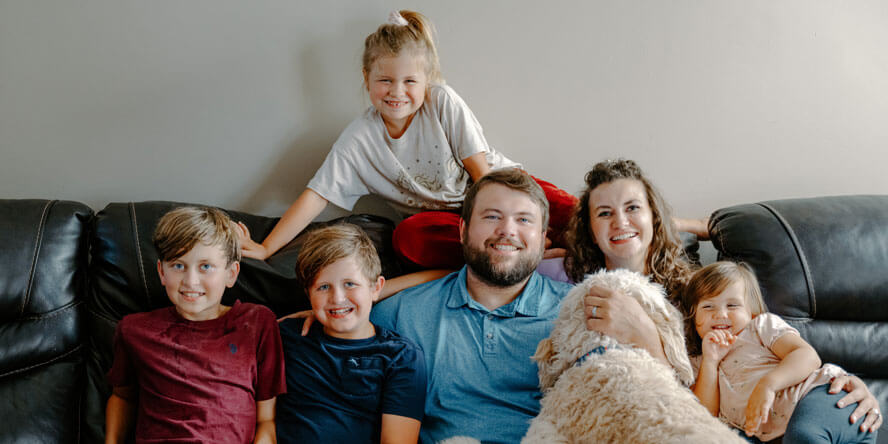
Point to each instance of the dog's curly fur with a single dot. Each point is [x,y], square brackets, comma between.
[622,395]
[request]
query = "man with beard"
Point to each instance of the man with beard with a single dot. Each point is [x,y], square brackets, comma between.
[479,326]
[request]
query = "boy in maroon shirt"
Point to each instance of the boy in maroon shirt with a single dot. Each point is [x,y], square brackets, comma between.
[198,371]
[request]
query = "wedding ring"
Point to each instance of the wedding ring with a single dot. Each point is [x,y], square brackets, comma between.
[876,411]
[594,309]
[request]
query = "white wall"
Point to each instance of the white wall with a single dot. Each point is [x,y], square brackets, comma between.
[235,103]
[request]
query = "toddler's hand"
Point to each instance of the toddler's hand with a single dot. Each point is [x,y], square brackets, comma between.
[249,248]
[759,407]
[717,344]
[308,315]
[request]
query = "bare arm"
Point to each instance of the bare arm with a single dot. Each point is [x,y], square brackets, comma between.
[716,344]
[265,432]
[706,387]
[698,227]
[622,318]
[399,430]
[797,360]
[476,166]
[295,219]
[120,414]
[399,283]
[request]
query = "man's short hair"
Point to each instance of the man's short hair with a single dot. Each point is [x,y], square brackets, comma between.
[515,179]
[327,245]
[179,230]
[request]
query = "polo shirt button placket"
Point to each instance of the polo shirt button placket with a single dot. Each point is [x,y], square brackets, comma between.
[489,342]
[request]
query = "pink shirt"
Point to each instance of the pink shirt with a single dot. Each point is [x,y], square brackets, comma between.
[199,381]
[748,361]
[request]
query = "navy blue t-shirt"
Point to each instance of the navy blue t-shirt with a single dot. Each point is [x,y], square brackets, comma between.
[338,389]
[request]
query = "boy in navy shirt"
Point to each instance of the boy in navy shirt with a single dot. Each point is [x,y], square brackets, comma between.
[347,379]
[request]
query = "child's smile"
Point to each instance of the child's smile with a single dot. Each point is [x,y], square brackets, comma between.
[727,311]
[341,298]
[397,86]
[196,281]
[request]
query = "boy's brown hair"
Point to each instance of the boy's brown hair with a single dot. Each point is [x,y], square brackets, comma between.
[327,245]
[179,230]
[710,281]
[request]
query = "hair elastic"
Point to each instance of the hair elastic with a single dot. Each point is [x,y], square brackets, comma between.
[395,18]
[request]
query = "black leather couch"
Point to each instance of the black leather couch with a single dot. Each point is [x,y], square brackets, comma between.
[68,275]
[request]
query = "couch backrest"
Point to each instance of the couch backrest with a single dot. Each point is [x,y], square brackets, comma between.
[42,282]
[823,266]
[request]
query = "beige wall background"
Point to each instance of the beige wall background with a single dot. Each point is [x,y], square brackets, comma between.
[236,103]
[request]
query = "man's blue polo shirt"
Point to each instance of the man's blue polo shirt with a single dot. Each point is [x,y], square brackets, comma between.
[482,382]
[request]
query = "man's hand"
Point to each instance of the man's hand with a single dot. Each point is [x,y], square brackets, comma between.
[866,403]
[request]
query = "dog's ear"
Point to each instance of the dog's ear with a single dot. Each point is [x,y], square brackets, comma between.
[545,359]
[671,332]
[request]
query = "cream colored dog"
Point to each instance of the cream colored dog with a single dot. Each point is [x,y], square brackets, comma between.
[596,390]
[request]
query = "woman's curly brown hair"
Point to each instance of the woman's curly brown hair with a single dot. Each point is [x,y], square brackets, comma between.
[666,261]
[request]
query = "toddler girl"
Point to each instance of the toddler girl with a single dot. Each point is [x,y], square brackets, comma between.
[417,146]
[753,368]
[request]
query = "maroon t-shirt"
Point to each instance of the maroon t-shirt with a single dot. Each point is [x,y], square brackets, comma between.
[199,381]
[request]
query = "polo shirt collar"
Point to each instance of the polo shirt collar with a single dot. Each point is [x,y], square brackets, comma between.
[526,304]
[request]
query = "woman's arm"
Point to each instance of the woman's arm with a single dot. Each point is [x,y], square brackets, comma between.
[265,432]
[399,430]
[295,219]
[119,414]
[476,166]
[797,360]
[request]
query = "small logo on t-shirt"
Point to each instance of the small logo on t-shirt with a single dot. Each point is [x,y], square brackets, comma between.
[233,348]
[353,362]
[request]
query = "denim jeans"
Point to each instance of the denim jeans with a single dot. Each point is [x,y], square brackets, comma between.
[816,419]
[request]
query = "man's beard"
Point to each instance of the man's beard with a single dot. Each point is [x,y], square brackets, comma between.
[492,274]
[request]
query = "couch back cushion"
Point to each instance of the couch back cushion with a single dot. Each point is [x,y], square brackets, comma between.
[43,264]
[823,266]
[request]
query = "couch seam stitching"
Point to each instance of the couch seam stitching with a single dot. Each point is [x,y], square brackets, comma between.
[132,208]
[54,313]
[41,364]
[812,298]
[38,241]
